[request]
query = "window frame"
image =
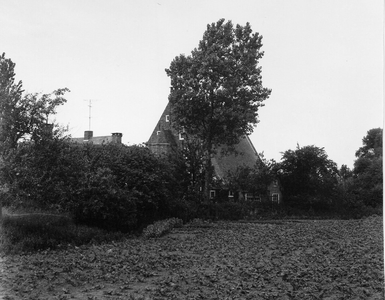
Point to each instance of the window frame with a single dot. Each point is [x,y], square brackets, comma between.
[273,195]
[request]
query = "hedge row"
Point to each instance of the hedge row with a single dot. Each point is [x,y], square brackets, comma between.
[116,187]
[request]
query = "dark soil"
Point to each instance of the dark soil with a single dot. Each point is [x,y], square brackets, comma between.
[323,259]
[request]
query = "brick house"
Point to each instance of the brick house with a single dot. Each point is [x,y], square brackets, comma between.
[164,138]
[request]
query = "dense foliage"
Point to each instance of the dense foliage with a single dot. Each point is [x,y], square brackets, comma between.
[217,90]
[23,116]
[113,186]
[42,175]
[122,187]
[36,232]
[10,94]
[368,169]
[255,180]
[312,184]
[362,188]
[309,178]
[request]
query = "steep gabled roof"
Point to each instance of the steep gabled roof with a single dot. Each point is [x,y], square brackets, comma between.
[164,137]
[244,155]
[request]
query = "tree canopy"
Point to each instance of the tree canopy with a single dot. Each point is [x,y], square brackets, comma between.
[217,90]
[368,170]
[308,176]
[253,179]
[372,144]
[23,115]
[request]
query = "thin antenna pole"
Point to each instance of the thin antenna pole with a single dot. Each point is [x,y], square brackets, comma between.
[89,113]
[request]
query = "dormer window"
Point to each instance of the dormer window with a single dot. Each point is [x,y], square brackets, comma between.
[167,118]
[158,132]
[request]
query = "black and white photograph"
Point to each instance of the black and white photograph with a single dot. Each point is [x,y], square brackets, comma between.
[191,149]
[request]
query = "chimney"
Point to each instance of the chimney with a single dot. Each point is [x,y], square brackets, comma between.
[117,137]
[47,129]
[88,135]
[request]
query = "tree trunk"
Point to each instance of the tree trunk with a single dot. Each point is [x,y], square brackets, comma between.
[208,172]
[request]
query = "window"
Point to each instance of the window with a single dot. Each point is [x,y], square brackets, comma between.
[158,132]
[258,199]
[181,134]
[167,118]
[231,194]
[275,197]
[212,194]
[249,196]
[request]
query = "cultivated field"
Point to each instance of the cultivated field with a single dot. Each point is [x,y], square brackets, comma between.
[331,259]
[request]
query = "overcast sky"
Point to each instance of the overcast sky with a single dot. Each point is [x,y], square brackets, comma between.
[323,61]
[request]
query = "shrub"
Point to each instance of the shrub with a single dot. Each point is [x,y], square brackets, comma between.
[42,175]
[355,208]
[35,232]
[103,204]
[185,209]
[115,187]
[161,228]
[223,211]
[123,187]
[200,223]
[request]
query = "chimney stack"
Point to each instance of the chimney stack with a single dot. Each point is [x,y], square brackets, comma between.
[47,129]
[117,137]
[88,134]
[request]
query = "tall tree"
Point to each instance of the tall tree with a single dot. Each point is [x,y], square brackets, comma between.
[10,92]
[217,90]
[23,116]
[368,169]
[308,177]
[372,144]
[10,95]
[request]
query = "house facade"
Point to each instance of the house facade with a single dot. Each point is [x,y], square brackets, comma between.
[164,138]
